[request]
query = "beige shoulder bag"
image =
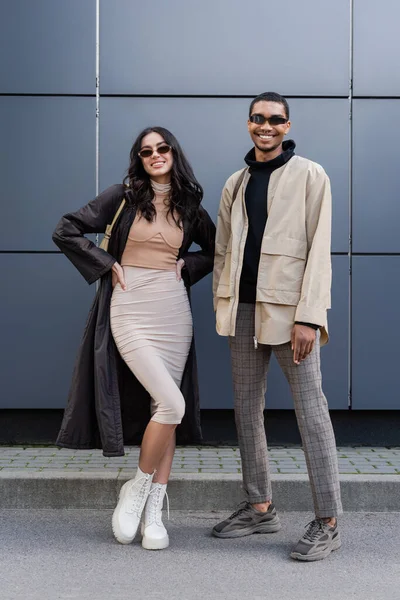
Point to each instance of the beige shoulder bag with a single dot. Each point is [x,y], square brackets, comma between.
[109,228]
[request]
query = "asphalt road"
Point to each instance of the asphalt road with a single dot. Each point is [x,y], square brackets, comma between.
[71,555]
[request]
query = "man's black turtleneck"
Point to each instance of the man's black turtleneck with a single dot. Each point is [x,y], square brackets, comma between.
[256,206]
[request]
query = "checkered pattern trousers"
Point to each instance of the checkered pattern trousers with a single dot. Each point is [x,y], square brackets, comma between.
[249,369]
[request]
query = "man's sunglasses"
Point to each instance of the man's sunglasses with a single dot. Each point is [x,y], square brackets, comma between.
[147,152]
[273,121]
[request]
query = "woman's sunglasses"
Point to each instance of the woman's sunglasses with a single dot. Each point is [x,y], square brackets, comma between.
[273,121]
[147,152]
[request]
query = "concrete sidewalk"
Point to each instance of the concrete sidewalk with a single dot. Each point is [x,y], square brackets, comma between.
[203,478]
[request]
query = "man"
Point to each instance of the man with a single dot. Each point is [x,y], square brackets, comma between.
[272,279]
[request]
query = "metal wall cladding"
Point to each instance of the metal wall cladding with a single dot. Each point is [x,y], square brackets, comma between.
[44,305]
[48,47]
[376,48]
[375,332]
[47,166]
[213,133]
[225,47]
[376,209]
[193,68]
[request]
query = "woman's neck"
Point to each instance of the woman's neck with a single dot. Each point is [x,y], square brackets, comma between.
[160,188]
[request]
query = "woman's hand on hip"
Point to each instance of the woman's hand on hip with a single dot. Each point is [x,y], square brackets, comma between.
[118,276]
[179,266]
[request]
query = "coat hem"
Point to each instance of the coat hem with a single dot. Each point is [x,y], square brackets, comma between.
[88,447]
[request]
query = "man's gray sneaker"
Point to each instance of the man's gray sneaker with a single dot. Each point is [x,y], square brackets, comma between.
[247,520]
[318,542]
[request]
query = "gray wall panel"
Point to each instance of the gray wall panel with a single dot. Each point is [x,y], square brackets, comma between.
[335,356]
[45,308]
[48,47]
[376,210]
[224,47]
[47,165]
[376,48]
[214,134]
[213,358]
[376,326]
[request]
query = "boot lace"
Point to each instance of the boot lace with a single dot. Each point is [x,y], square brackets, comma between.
[155,506]
[136,495]
[315,528]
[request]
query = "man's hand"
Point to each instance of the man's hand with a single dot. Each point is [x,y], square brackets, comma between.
[303,340]
[179,266]
[118,276]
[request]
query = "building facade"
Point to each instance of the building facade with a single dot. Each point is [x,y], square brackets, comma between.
[79,80]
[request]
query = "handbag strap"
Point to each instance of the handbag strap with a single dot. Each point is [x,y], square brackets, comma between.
[109,228]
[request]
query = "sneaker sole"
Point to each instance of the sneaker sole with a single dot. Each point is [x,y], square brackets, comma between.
[272,527]
[115,526]
[317,556]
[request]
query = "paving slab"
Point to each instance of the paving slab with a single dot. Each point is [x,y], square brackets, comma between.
[356,459]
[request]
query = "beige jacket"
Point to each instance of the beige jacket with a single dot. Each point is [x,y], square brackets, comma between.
[294,276]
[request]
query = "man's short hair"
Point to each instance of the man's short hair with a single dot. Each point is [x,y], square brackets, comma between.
[270,97]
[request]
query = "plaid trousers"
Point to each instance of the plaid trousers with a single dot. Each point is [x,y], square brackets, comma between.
[249,369]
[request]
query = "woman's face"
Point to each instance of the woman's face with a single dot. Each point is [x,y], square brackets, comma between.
[158,165]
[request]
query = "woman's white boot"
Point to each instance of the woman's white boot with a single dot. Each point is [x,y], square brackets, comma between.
[155,536]
[131,502]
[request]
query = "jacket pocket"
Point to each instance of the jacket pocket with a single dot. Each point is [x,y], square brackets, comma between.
[281,270]
[224,289]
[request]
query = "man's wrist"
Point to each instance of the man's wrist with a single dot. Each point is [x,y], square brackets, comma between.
[312,325]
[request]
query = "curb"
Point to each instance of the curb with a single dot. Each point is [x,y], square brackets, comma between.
[197,491]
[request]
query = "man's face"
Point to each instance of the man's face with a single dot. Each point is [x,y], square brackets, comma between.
[268,137]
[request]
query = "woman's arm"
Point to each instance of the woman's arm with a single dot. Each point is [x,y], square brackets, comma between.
[69,235]
[198,264]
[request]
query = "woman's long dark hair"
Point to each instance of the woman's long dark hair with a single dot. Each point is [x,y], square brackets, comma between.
[186,192]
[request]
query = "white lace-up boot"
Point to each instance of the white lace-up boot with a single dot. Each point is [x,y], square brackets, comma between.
[155,536]
[131,502]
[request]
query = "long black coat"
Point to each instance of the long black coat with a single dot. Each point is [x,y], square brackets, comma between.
[107,406]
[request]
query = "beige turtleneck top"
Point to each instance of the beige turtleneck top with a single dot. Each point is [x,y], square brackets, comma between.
[154,245]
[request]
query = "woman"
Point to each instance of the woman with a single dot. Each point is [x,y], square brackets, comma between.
[144,302]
